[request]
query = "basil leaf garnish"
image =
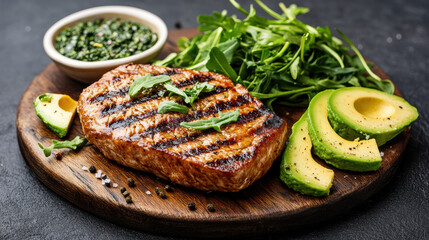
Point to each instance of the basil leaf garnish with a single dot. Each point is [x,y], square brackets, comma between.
[214,122]
[189,95]
[171,88]
[171,106]
[194,92]
[146,82]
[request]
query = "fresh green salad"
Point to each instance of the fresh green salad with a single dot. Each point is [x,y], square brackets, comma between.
[104,39]
[281,59]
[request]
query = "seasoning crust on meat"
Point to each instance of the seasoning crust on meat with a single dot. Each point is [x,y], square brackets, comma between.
[132,133]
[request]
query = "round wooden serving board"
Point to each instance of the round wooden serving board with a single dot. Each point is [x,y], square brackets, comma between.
[266,206]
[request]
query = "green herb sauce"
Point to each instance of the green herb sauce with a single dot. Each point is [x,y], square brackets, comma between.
[104,39]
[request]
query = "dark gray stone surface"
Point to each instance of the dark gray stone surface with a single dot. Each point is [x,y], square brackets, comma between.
[393,34]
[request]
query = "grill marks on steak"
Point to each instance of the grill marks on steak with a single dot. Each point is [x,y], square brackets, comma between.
[123,91]
[175,122]
[169,124]
[110,109]
[107,111]
[248,117]
[166,125]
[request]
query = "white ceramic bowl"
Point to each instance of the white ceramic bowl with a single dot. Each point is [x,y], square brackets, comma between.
[88,72]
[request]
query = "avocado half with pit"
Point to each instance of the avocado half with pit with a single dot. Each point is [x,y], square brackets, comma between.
[56,111]
[299,170]
[354,155]
[365,113]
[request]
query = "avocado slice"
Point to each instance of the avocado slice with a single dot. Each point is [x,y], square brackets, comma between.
[298,169]
[364,113]
[354,155]
[56,111]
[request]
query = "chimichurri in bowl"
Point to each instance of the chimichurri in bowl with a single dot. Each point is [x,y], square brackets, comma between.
[88,43]
[104,39]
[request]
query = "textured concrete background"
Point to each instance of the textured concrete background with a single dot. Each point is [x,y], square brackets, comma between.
[393,34]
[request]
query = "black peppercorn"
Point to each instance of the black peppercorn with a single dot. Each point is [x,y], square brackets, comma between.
[160,193]
[129,199]
[131,182]
[191,206]
[92,169]
[168,188]
[178,25]
[107,182]
[58,156]
[123,189]
[126,194]
[210,207]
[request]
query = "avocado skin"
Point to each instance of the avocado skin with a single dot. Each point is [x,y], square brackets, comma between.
[288,177]
[298,185]
[329,154]
[337,159]
[348,133]
[60,132]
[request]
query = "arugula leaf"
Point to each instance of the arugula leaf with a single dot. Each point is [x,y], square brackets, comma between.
[146,82]
[169,59]
[189,95]
[194,92]
[198,88]
[171,106]
[333,53]
[219,63]
[172,89]
[236,5]
[385,85]
[214,122]
[292,11]
[268,10]
[277,93]
[294,68]
[74,144]
[228,48]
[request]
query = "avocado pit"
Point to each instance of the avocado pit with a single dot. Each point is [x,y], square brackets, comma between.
[67,104]
[374,107]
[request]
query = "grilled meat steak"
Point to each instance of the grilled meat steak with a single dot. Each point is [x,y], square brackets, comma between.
[132,133]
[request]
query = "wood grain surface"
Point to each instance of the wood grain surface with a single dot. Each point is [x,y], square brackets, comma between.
[266,206]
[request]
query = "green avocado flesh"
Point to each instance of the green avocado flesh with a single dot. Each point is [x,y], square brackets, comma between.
[365,113]
[299,170]
[56,111]
[354,155]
